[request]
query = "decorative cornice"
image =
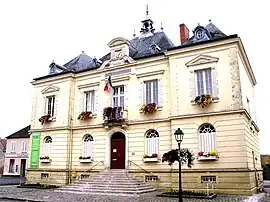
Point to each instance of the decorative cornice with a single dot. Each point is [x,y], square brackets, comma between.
[120,78]
[50,89]
[146,74]
[202,59]
[88,85]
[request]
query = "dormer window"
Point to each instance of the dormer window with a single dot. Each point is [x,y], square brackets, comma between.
[199,34]
[154,48]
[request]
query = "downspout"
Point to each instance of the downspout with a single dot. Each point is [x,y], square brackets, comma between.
[70,126]
[255,171]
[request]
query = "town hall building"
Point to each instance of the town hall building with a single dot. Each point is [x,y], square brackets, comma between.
[121,111]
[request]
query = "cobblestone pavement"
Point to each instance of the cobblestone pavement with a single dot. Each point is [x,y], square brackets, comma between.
[50,195]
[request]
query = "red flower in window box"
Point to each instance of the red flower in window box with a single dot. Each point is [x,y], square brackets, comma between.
[45,119]
[200,153]
[154,155]
[85,115]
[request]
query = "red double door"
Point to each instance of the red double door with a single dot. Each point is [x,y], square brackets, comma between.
[118,151]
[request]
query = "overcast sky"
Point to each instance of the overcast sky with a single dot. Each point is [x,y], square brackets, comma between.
[33,33]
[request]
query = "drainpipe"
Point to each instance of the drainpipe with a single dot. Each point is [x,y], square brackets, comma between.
[255,171]
[70,126]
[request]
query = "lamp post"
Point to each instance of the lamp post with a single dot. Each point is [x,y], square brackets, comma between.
[179,135]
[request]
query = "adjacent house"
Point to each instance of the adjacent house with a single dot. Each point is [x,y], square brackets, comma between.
[3,143]
[17,153]
[121,112]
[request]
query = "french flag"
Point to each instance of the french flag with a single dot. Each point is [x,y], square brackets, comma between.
[108,87]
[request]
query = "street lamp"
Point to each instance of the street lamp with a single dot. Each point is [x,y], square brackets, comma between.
[179,135]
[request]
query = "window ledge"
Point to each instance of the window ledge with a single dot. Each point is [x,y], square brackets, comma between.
[207,158]
[214,100]
[45,160]
[158,109]
[86,160]
[149,160]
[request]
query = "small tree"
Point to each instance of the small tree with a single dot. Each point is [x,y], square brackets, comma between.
[187,157]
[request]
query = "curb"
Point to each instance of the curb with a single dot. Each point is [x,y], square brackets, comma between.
[19,199]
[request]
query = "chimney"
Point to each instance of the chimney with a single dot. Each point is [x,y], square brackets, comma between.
[184,33]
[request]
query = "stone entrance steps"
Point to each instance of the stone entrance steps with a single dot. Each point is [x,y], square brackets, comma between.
[109,182]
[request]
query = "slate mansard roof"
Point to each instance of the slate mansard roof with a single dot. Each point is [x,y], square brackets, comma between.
[148,44]
[23,133]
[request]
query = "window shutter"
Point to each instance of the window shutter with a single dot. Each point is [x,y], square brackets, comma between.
[126,96]
[96,102]
[148,146]
[160,93]
[192,86]
[44,106]
[85,149]
[91,149]
[56,106]
[214,83]
[141,94]
[81,102]
[157,145]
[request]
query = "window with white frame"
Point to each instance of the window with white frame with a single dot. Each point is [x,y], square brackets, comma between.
[203,82]
[24,146]
[119,96]
[207,138]
[50,105]
[13,146]
[152,142]
[47,145]
[88,145]
[89,101]
[151,92]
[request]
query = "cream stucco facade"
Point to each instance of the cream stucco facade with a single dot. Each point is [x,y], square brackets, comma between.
[237,169]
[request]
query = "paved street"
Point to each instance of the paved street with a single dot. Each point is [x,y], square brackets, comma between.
[50,195]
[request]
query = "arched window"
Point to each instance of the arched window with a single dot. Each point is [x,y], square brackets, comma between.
[88,145]
[47,145]
[152,142]
[207,138]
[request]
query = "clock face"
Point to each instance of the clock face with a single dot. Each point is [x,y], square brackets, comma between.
[118,54]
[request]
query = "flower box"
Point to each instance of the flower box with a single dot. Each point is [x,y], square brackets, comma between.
[207,158]
[149,108]
[85,160]
[85,115]
[152,159]
[45,119]
[203,100]
[45,160]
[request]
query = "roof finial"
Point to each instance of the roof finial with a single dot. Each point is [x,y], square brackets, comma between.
[52,61]
[134,33]
[82,52]
[161,26]
[198,24]
[210,20]
[147,11]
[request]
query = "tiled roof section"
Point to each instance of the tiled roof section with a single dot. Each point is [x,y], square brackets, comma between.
[23,133]
[82,62]
[143,45]
[212,33]
[3,144]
